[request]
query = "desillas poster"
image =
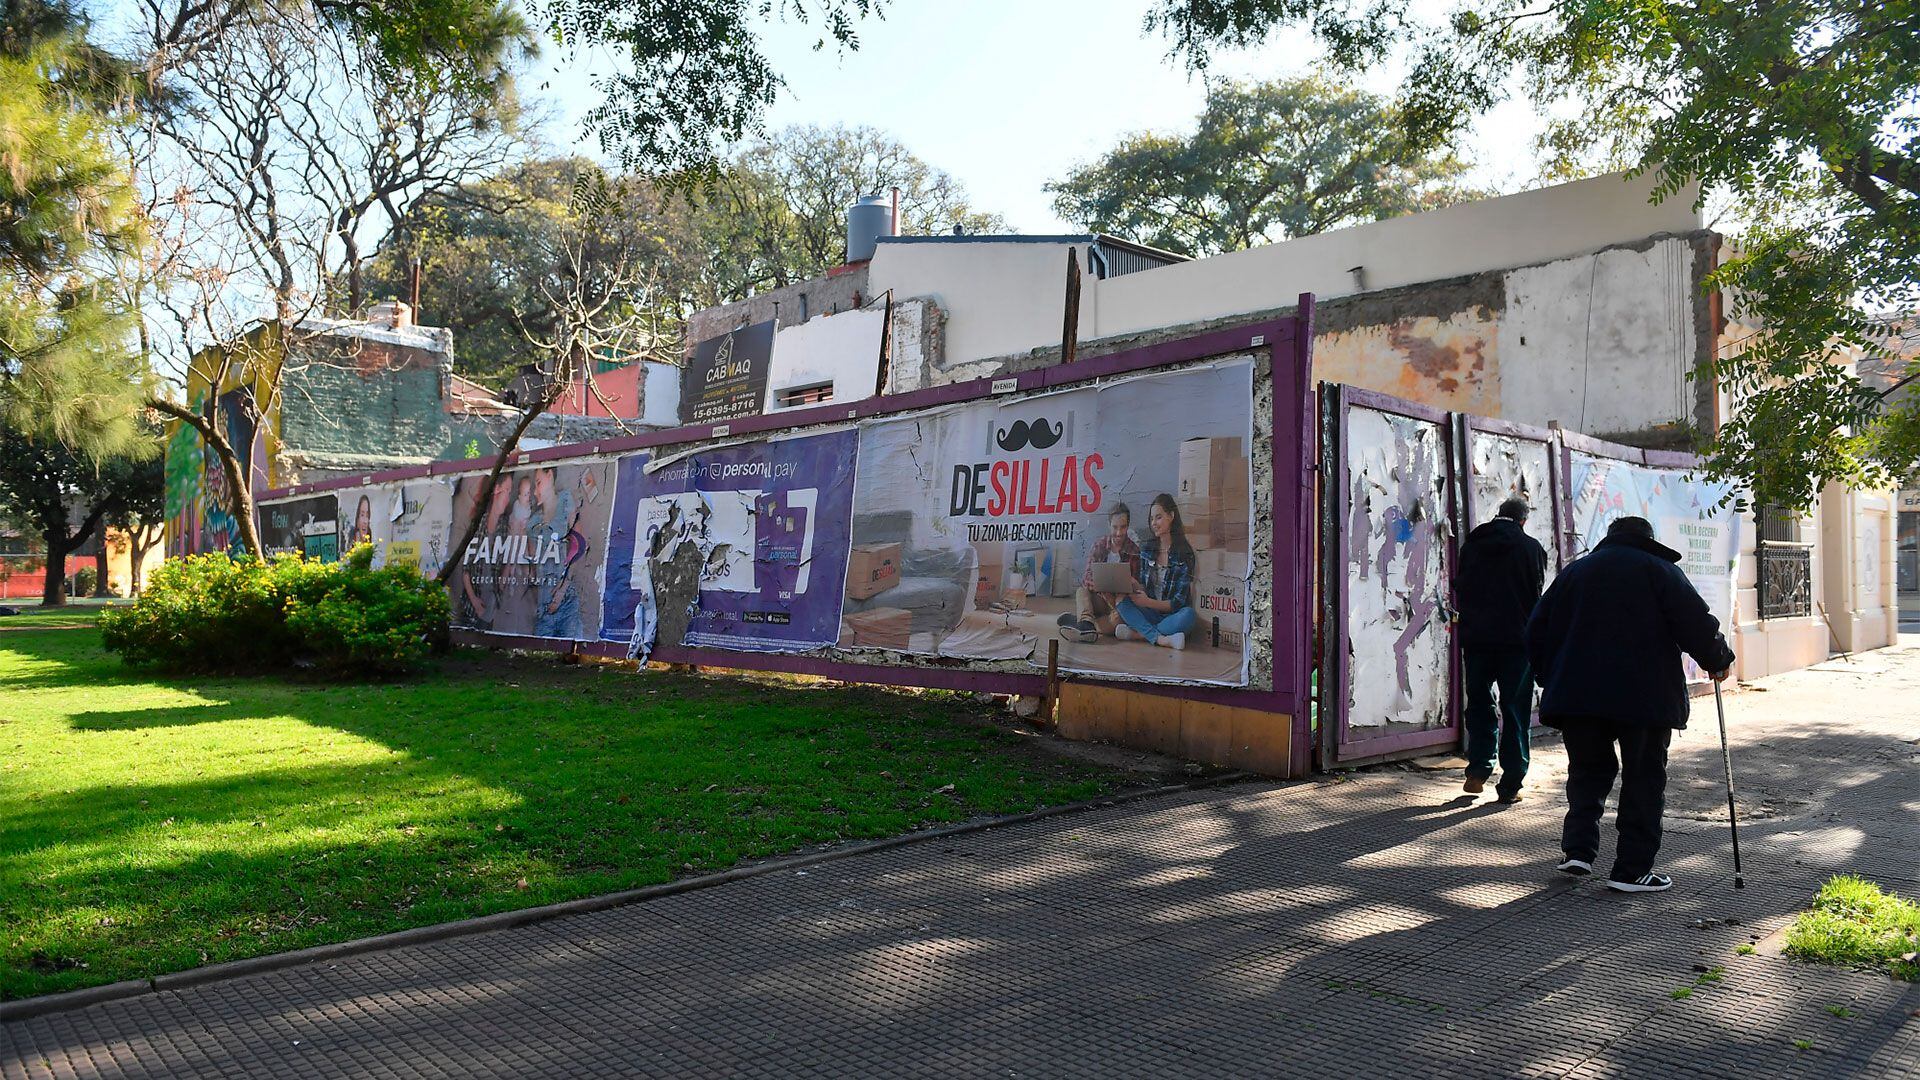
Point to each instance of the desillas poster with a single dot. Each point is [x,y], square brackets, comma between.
[765,523]
[978,528]
[727,376]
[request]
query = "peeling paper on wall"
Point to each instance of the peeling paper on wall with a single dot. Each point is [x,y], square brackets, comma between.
[1504,467]
[1397,534]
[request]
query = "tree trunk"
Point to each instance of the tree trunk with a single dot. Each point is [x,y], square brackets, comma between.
[238,482]
[55,592]
[139,542]
[100,568]
[456,553]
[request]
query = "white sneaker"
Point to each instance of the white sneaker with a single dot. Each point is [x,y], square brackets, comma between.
[1124,632]
[1173,641]
[1648,882]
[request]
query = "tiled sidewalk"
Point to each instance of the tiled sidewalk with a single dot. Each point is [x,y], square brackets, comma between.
[1381,924]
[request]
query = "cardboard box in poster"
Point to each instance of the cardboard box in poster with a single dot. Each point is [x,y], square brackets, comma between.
[872,569]
[880,628]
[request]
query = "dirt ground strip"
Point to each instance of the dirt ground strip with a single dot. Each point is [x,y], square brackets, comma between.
[1377,923]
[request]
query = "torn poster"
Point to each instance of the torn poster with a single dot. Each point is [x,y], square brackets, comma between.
[769,523]
[1505,467]
[1397,533]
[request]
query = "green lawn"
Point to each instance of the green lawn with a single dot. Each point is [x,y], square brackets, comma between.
[150,825]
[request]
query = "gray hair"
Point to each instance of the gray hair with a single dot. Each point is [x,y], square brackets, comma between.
[1515,510]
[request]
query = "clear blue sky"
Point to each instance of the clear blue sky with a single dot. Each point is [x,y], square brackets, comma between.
[1006,95]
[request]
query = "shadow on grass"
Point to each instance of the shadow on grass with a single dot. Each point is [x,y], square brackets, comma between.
[472,788]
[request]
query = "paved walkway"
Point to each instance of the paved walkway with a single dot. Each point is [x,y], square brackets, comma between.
[1376,925]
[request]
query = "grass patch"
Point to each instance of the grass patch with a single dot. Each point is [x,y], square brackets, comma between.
[1854,922]
[150,825]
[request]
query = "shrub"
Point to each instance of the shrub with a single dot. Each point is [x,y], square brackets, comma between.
[84,580]
[215,613]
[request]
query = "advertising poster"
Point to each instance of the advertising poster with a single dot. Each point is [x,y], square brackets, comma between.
[407,524]
[769,523]
[727,376]
[1687,516]
[533,566]
[1114,518]
[307,527]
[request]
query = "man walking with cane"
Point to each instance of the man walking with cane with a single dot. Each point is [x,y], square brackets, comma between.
[1498,582]
[1605,643]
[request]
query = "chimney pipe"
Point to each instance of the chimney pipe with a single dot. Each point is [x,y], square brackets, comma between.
[894,228]
[413,286]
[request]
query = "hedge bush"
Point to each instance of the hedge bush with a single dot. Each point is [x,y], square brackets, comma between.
[215,613]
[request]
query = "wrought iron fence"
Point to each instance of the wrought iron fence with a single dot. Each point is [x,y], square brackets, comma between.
[1785,581]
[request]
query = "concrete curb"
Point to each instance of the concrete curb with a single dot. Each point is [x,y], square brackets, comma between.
[23,1008]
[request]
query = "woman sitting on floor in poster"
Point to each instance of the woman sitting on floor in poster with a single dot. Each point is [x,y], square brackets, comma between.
[1160,609]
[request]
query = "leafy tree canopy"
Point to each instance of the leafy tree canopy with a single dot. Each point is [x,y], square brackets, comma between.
[775,213]
[1267,161]
[67,371]
[1806,113]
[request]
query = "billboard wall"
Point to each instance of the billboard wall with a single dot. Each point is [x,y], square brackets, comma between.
[407,524]
[979,529]
[308,527]
[534,565]
[762,527]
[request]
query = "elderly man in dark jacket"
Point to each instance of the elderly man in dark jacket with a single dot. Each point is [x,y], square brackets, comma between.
[1498,582]
[1605,643]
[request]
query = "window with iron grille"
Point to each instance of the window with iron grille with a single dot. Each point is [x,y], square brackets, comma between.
[1777,524]
[806,395]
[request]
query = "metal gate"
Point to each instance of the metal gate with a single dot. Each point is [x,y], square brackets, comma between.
[1390,541]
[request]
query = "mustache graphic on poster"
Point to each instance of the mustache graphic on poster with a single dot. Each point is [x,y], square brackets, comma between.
[1113,518]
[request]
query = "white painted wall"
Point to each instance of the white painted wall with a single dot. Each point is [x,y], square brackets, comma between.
[1000,297]
[1600,342]
[660,401]
[842,349]
[1515,230]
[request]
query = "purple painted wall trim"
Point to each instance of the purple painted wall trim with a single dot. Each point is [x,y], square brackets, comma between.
[1293,524]
[1497,426]
[1198,347]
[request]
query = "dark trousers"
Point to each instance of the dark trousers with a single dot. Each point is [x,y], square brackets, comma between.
[1488,668]
[1592,764]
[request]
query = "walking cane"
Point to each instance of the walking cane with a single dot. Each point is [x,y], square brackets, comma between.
[1726,758]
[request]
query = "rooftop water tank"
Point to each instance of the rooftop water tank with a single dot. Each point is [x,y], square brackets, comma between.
[867,221]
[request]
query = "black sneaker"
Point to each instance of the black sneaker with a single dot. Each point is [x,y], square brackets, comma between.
[1576,867]
[1648,882]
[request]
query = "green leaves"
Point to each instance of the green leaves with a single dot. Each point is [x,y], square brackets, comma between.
[1804,115]
[1267,161]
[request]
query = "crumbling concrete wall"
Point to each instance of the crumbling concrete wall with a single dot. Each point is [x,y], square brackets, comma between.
[1606,342]
[840,289]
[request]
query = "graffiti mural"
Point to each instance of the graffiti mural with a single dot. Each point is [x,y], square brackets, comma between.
[1398,534]
[199,500]
[1502,467]
[534,566]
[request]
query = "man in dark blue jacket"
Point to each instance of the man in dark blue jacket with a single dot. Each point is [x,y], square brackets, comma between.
[1498,582]
[1605,643]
